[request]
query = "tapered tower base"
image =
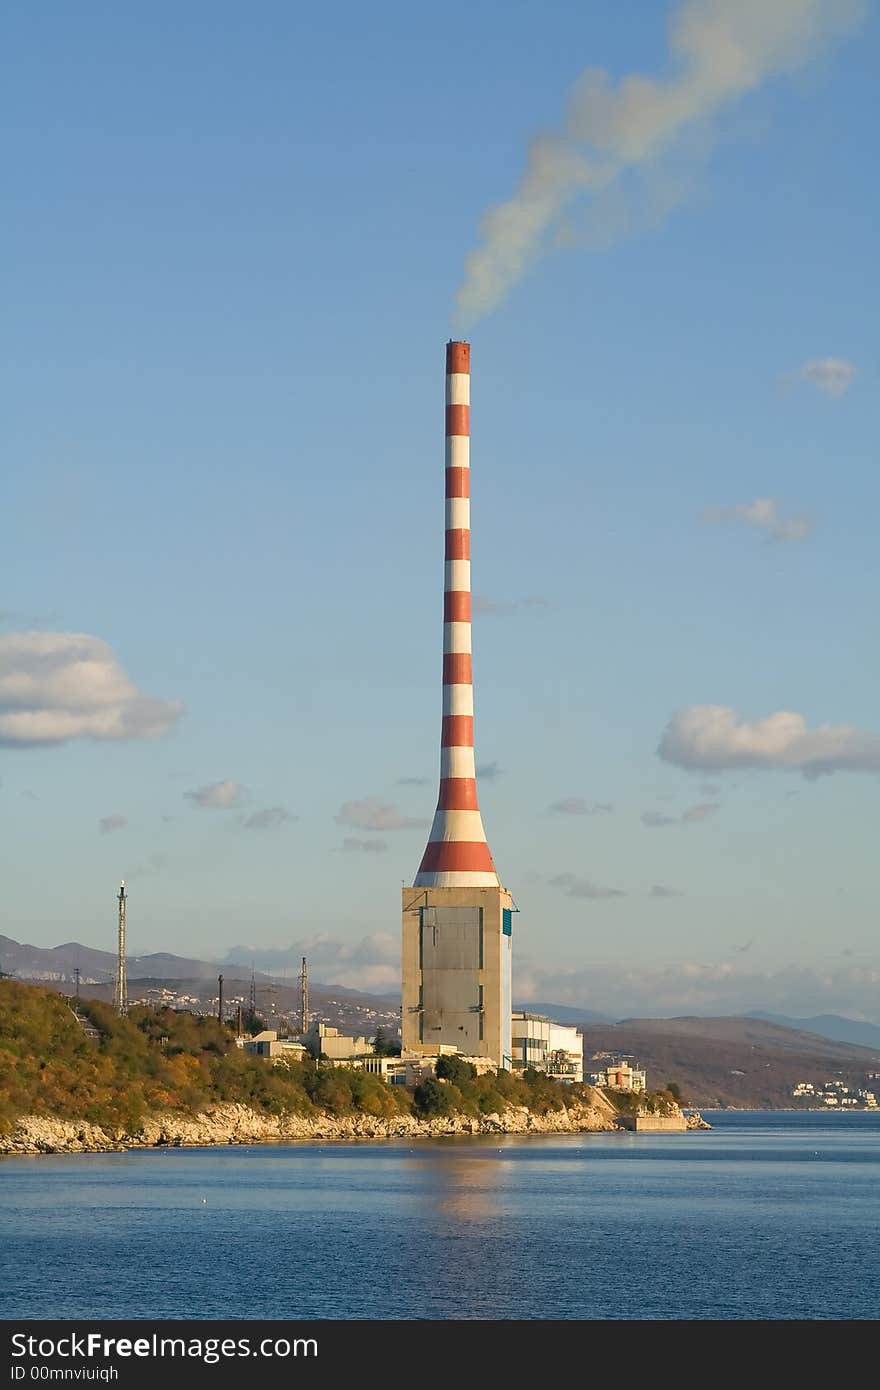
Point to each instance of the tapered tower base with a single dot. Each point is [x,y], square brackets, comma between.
[457,971]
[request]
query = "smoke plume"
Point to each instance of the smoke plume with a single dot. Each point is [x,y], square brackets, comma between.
[615,152]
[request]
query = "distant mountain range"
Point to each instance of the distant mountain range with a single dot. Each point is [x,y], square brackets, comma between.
[349,1010]
[55,965]
[847,1030]
[831,1026]
[748,1063]
[565,1013]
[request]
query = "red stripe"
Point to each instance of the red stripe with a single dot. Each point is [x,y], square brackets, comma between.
[458,731]
[458,357]
[458,482]
[457,606]
[457,856]
[458,419]
[458,668]
[458,794]
[458,545]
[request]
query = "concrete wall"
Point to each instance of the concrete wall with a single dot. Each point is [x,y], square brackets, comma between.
[456,971]
[645,1124]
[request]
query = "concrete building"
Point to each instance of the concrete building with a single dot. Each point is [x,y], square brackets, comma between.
[321,1039]
[457,916]
[268,1044]
[621,1076]
[550,1047]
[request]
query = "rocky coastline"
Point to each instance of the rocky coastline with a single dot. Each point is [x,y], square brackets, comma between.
[238,1124]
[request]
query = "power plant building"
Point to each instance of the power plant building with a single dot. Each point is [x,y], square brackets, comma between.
[554,1048]
[457,915]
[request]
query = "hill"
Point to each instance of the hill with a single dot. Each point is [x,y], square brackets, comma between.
[566,1013]
[744,1063]
[177,980]
[121,1072]
[57,963]
[833,1026]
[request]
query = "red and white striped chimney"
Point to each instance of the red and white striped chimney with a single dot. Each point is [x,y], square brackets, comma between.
[458,854]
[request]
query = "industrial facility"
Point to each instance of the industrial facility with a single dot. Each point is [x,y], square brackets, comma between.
[457,915]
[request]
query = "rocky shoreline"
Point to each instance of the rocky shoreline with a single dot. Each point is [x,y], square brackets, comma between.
[237,1124]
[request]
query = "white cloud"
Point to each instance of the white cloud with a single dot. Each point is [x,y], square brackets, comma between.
[108,824]
[575,887]
[764,515]
[692,987]
[656,820]
[217,796]
[371,963]
[622,989]
[56,686]
[661,890]
[373,814]
[616,141]
[488,772]
[712,738]
[577,806]
[831,375]
[352,845]
[698,813]
[270,818]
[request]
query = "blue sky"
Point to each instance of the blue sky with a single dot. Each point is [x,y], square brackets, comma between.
[234,244]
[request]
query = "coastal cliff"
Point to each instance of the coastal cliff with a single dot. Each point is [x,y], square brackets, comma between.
[237,1124]
[93,1082]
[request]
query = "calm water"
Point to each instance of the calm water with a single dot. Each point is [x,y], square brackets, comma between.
[767,1216]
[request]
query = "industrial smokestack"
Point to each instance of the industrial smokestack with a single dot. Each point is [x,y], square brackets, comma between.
[457,854]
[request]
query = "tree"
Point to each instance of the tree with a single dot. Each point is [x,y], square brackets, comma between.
[674,1090]
[252,1022]
[384,1045]
[455,1069]
[431,1097]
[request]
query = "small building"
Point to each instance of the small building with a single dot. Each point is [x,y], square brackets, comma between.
[554,1048]
[268,1044]
[335,1046]
[620,1076]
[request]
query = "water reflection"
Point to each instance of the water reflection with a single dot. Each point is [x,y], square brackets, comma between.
[459,1184]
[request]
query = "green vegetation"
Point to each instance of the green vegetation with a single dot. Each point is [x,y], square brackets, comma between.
[162,1060]
[457,1090]
[384,1045]
[643,1102]
[154,1060]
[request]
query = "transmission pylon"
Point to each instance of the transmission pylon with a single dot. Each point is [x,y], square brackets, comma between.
[120,998]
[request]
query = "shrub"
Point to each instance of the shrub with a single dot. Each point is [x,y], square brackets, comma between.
[431,1097]
[455,1069]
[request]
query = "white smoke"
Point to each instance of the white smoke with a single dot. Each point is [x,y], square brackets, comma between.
[722,49]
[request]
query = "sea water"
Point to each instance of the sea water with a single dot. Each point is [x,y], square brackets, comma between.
[768,1215]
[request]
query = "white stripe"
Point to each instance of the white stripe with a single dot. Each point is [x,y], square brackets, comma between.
[457,879]
[458,699]
[457,825]
[458,451]
[457,577]
[457,762]
[458,388]
[458,513]
[456,637]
